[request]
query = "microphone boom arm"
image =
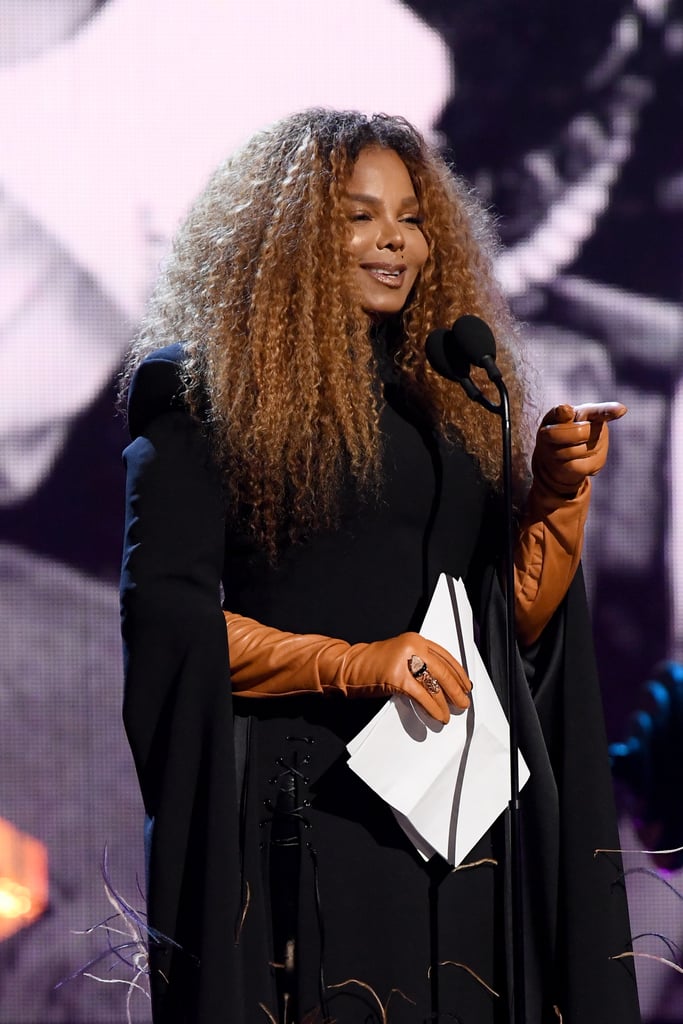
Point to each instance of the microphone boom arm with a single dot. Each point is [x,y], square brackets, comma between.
[518,1008]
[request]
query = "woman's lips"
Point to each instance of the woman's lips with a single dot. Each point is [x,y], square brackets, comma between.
[386,274]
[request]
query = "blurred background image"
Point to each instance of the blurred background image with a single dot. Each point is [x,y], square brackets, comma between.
[567,120]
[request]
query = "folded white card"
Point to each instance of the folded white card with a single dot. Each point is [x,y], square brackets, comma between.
[447,784]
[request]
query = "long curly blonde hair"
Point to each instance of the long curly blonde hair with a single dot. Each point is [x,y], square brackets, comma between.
[280,363]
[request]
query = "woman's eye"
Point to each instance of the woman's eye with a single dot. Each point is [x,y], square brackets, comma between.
[360,216]
[414,218]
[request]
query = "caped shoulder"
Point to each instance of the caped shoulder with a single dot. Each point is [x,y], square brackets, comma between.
[156,387]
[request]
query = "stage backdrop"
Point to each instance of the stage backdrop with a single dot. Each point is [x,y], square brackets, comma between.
[566,118]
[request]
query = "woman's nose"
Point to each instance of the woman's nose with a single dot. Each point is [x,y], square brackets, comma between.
[391,237]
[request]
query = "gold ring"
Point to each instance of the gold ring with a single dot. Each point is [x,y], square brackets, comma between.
[418,669]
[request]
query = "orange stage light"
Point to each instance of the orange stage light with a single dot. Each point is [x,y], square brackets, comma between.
[23,879]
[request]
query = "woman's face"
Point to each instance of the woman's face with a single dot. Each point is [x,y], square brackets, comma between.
[385,240]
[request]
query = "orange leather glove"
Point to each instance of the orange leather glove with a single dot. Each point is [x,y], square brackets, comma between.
[571,446]
[266,662]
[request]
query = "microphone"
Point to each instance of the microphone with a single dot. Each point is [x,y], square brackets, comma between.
[448,361]
[474,339]
[451,352]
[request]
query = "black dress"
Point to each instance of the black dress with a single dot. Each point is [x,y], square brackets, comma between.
[280,887]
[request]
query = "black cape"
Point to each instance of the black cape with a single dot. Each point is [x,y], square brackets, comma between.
[369,917]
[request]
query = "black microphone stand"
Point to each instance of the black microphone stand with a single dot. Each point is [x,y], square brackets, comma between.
[514,846]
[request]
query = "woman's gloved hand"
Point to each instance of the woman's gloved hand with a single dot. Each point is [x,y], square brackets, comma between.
[571,446]
[269,662]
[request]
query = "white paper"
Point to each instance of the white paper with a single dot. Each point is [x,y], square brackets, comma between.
[447,784]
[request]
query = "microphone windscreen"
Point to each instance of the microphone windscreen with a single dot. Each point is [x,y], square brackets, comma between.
[474,338]
[444,356]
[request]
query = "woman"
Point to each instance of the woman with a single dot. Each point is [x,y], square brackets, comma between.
[297,451]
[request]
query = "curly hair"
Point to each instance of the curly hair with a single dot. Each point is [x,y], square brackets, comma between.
[280,364]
